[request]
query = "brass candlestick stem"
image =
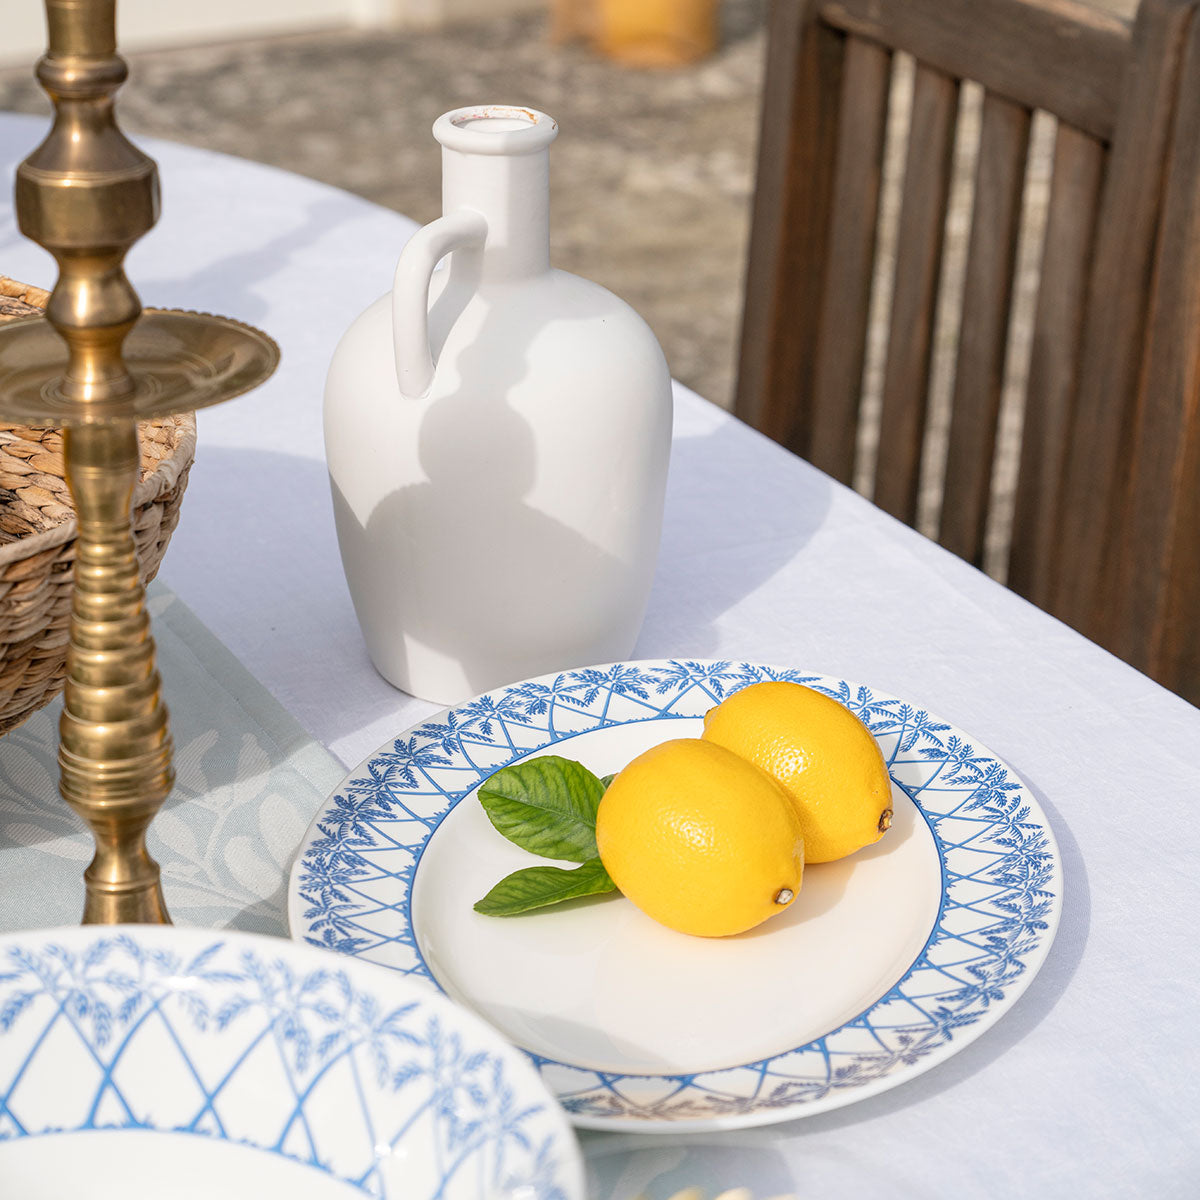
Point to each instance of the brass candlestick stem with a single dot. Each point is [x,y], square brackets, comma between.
[96,363]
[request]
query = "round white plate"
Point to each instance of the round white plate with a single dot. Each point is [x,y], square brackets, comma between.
[147,1061]
[888,962]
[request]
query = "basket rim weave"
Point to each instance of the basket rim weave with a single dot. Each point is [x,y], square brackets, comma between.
[160,481]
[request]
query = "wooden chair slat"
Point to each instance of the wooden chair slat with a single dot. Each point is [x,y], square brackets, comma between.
[1055,360]
[1154,598]
[1096,479]
[983,335]
[918,267]
[788,245]
[1060,55]
[846,299]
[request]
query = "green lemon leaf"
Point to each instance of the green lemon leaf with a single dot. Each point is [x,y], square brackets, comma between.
[546,806]
[536,887]
[606,780]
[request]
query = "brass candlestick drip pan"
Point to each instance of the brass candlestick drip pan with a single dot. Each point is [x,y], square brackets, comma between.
[96,364]
[177,362]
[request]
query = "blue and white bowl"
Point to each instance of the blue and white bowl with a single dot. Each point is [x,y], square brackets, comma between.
[139,1061]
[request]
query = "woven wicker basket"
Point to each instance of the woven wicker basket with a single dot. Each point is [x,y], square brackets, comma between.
[37,535]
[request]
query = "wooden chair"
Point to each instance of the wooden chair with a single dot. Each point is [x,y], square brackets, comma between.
[1107,524]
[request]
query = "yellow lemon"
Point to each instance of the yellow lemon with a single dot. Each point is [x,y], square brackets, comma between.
[700,839]
[823,755]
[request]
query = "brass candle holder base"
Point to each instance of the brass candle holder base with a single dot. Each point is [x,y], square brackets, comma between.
[96,364]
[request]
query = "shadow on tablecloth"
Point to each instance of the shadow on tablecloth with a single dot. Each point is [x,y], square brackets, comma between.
[248,781]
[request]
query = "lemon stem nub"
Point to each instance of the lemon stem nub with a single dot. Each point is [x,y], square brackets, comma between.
[885,820]
[784,896]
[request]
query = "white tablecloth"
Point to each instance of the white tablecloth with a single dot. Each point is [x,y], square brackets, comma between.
[1091,1085]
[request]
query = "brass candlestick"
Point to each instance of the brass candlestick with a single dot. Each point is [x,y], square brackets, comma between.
[96,364]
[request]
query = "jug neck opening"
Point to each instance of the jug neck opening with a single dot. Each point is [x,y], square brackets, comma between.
[495,162]
[495,129]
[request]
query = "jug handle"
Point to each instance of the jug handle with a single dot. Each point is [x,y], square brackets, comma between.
[410,294]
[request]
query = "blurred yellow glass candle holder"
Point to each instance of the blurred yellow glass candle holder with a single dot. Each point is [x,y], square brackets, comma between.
[644,33]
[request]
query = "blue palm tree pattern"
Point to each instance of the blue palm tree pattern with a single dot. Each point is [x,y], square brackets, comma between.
[233,1020]
[1001,876]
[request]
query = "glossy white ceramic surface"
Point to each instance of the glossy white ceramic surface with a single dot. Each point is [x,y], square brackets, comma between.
[598,983]
[148,1061]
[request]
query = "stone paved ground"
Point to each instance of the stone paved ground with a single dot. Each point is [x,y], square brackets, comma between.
[652,172]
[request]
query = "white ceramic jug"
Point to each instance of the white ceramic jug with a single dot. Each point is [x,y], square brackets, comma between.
[497,435]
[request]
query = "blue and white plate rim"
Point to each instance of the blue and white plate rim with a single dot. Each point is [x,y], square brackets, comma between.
[214,979]
[949,1032]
